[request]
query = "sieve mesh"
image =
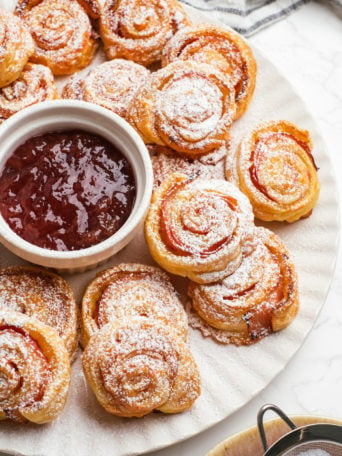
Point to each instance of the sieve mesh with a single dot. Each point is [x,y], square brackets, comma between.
[316,448]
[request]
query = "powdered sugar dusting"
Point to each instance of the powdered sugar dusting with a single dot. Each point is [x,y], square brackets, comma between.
[43,295]
[165,162]
[225,309]
[111,84]
[136,366]
[62,33]
[34,369]
[134,291]
[138,30]
[35,84]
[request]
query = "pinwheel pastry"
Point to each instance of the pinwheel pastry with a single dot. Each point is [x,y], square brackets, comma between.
[259,298]
[277,171]
[35,84]
[44,295]
[16,46]
[111,85]
[187,106]
[34,369]
[221,47]
[137,367]
[63,35]
[166,161]
[138,30]
[131,291]
[195,227]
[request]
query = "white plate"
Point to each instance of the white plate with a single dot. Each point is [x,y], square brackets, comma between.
[231,376]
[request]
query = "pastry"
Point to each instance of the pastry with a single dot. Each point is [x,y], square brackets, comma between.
[91,7]
[138,367]
[195,227]
[277,171]
[259,298]
[35,84]
[44,295]
[186,106]
[16,46]
[131,291]
[62,32]
[221,47]
[34,370]
[166,161]
[111,85]
[138,31]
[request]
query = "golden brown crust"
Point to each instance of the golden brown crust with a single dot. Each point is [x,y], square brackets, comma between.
[16,46]
[135,31]
[62,32]
[138,367]
[111,85]
[259,298]
[276,170]
[35,84]
[41,294]
[221,47]
[194,227]
[129,291]
[34,369]
[186,106]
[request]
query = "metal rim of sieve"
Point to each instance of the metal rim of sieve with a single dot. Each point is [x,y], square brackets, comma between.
[318,432]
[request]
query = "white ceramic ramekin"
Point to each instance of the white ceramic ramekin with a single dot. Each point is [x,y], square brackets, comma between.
[70,115]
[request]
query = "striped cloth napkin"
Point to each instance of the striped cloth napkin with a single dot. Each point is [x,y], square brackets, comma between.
[249,16]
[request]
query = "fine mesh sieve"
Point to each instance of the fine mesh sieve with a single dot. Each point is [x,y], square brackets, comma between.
[312,440]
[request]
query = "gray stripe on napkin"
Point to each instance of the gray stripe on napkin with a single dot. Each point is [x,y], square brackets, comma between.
[249,16]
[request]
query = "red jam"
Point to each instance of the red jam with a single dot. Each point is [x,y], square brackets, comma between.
[66,190]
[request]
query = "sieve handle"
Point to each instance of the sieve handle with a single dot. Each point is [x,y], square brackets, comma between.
[279,412]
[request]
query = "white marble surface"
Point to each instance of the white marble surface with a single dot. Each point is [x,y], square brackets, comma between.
[307,48]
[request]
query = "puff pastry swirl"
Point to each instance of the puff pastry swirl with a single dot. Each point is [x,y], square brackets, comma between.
[35,84]
[62,32]
[277,171]
[129,291]
[221,47]
[259,298]
[138,30]
[138,367]
[41,294]
[34,370]
[16,46]
[186,106]
[111,85]
[195,227]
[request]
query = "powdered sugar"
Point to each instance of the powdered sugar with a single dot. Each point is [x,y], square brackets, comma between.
[43,295]
[133,291]
[111,84]
[139,366]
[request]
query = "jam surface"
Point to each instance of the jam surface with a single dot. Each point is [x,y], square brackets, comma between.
[66,190]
